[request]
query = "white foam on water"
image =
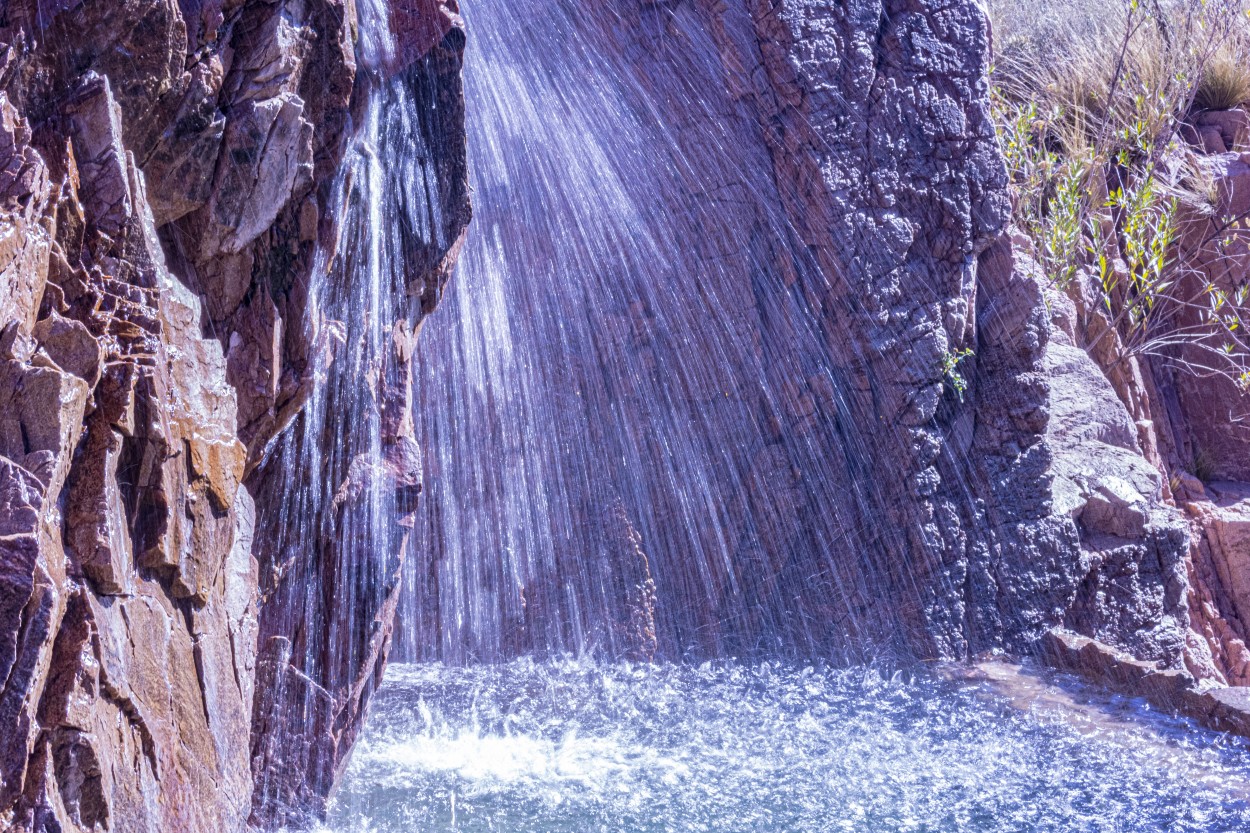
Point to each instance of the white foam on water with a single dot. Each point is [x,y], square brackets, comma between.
[576,746]
[483,762]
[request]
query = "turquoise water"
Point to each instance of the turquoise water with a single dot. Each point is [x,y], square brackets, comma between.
[574,746]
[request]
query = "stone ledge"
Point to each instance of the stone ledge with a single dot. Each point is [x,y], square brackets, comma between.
[1224,709]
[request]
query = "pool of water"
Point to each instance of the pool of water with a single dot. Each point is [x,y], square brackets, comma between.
[571,746]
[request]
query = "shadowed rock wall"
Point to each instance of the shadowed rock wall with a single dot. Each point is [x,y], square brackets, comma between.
[333,508]
[891,175]
[998,512]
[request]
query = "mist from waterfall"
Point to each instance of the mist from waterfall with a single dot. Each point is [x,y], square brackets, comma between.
[625,402]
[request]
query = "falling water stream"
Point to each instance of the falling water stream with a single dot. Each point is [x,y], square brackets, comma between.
[348,469]
[625,397]
[608,405]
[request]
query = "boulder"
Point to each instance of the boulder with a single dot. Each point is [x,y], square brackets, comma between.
[70,345]
[1231,128]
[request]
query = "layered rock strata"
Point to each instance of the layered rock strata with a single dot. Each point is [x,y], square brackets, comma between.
[165,179]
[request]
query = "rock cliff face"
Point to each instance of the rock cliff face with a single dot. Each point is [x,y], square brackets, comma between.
[1027,487]
[892,177]
[1028,491]
[998,481]
[896,450]
[166,170]
[167,176]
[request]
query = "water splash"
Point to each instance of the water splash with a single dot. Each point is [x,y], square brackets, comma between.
[589,747]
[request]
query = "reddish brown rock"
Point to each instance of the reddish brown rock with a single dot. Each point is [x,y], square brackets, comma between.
[159,209]
[417,26]
[70,345]
[29,221]
[1222,708]
[1232,130]
[119,697]
[165,169]
[1225,520]
[1206,432]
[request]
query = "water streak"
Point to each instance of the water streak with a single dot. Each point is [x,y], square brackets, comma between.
[627,403]
[345,475]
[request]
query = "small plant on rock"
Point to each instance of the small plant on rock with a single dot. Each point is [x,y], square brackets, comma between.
[950,370]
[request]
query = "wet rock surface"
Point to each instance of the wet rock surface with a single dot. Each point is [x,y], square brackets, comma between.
[336,497]
[164,171]
[1029,483]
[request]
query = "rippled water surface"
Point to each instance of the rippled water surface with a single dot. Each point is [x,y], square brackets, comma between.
[582,747]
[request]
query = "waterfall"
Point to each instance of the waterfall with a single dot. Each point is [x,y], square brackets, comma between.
[627,405]
[346,474]
[643,440]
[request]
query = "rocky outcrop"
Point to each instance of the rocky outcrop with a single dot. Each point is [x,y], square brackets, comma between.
[1008,509]
[941,457]
[1035,483]
[129,613]
[166,173]
[335,500]
[1196,433]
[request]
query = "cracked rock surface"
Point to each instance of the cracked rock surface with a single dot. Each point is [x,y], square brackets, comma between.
[164,173]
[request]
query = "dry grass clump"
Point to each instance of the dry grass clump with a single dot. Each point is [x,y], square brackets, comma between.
[1114,71]
[1225,81]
